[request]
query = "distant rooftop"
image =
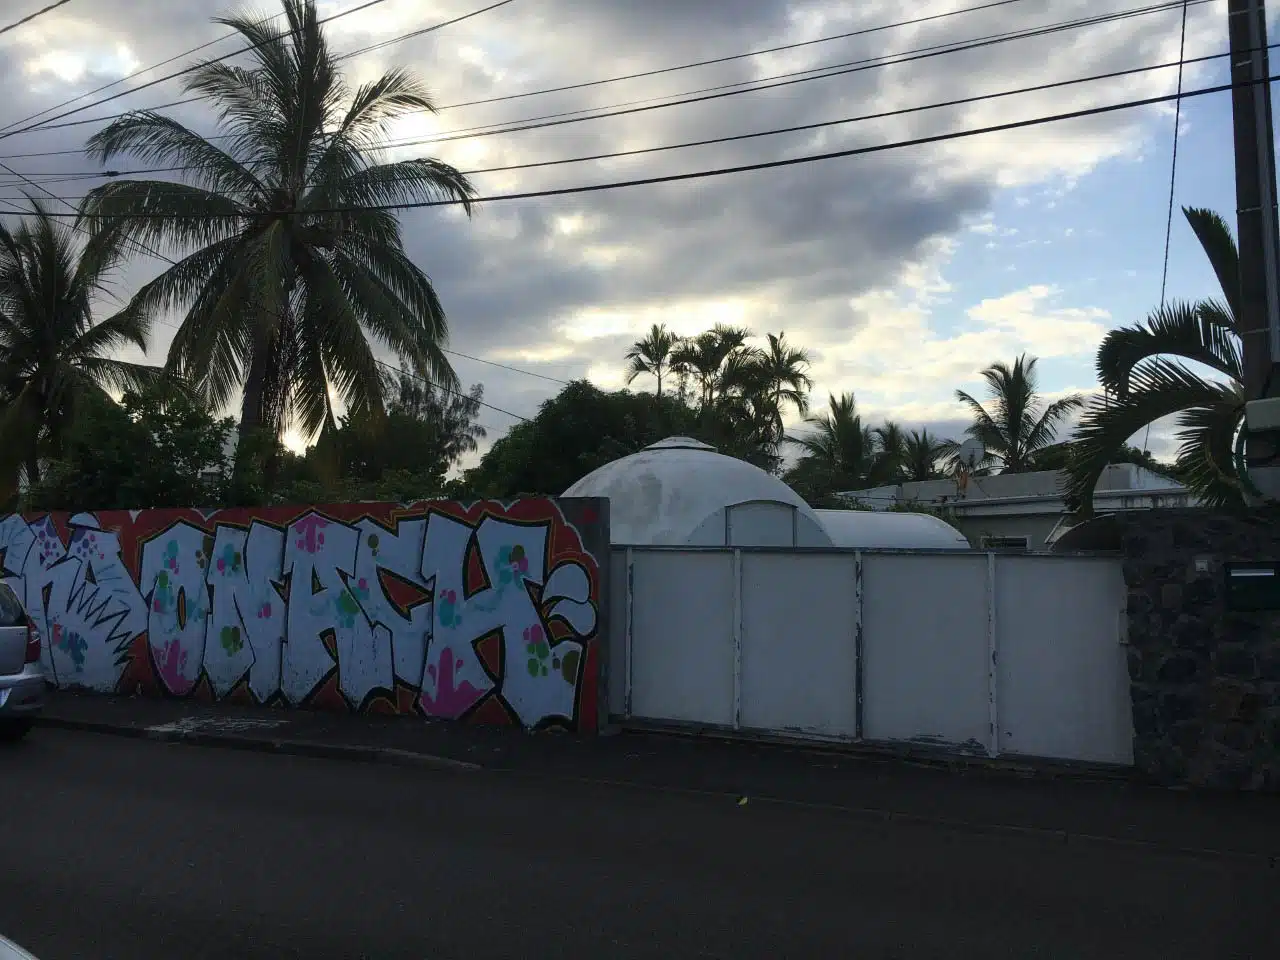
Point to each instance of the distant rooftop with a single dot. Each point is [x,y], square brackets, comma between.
[1121,486]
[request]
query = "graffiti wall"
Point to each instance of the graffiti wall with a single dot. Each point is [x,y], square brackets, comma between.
[488,612]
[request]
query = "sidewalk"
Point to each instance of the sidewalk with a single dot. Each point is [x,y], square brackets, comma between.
[1070,810]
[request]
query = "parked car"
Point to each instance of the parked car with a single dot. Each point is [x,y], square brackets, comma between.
[21,676]
[10,950]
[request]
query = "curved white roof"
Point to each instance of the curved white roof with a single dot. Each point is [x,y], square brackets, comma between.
[890,530]
[680,491]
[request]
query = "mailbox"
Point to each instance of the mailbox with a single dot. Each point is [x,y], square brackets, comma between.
[1253,585]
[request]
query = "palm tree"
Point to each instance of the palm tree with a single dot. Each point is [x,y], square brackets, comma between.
[921,454]
[1143,368]
[839,448]
[52,353]
[891,453]
[1021,424]
[786,370]
[707,357]
[652,355]
[292,261]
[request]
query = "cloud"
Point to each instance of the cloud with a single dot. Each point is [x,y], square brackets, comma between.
[902,358]
[833,252]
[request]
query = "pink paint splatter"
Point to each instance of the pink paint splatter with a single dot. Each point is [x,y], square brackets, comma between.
[311,532]
[451,700]
[171,662]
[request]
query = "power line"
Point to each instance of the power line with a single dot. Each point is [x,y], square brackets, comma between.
[624,77]
[438,386]
[865,31]
[159,80]
[31,16]
[761,83]
[503,366]
[798,128]
[1173,178]
[457,393]
[137,73]
[752,86]
[1173,166]
[418,33]
[196,66]
[457,353]
[741,168]
[784,80]
[172,262]
[856,66]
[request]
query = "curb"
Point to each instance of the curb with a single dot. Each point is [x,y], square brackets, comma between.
[315,749]
[921,755]
[877,815]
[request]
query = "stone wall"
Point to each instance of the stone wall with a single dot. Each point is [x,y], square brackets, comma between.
[1205,680]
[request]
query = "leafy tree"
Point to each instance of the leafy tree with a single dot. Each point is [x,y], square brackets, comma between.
[160,447]
[652,355]
[1021,423]
[400,456]
[575,432]
[290,264]
[1145,371]
[52,353]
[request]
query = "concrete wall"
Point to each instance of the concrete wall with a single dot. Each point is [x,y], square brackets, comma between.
[975,652]
[1035,528]
[1205,678]
[422,608]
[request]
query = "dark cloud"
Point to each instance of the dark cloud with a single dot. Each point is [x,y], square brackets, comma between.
[801,240]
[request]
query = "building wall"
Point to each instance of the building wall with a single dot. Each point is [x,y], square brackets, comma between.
[971,652]
[488,612]
[1205,679]
[1034,528]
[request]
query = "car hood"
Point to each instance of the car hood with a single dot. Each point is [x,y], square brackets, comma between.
[11,951]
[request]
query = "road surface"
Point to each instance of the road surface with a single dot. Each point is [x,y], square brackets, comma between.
[115,848]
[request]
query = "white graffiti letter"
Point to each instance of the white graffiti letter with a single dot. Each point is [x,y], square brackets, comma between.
[173,581]
[399,553]
[319,556]
[540,678]
[246,630]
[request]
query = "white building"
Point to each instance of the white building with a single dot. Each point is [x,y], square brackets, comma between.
[1025,511]
[681,492]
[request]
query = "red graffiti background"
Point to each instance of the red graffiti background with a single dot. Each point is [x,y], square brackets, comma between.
[564,544]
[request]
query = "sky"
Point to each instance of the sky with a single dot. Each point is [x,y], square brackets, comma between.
[904,272]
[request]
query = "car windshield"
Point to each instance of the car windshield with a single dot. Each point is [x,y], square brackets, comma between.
[11,612]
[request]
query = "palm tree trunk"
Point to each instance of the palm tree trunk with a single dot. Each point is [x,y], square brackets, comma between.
[33,468]
[248,457]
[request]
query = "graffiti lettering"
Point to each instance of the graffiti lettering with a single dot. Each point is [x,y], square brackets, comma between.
[487,611]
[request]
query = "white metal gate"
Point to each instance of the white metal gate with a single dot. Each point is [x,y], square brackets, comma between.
[1004,654]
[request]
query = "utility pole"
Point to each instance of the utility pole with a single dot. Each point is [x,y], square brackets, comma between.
[1259,240]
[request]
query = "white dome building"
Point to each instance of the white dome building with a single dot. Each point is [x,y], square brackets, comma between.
[885,530]
[679,491]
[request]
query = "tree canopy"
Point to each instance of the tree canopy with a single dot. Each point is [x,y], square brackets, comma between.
[157,448]
[291,265]
[578,430]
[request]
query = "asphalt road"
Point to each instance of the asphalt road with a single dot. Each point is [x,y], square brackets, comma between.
[113,848]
